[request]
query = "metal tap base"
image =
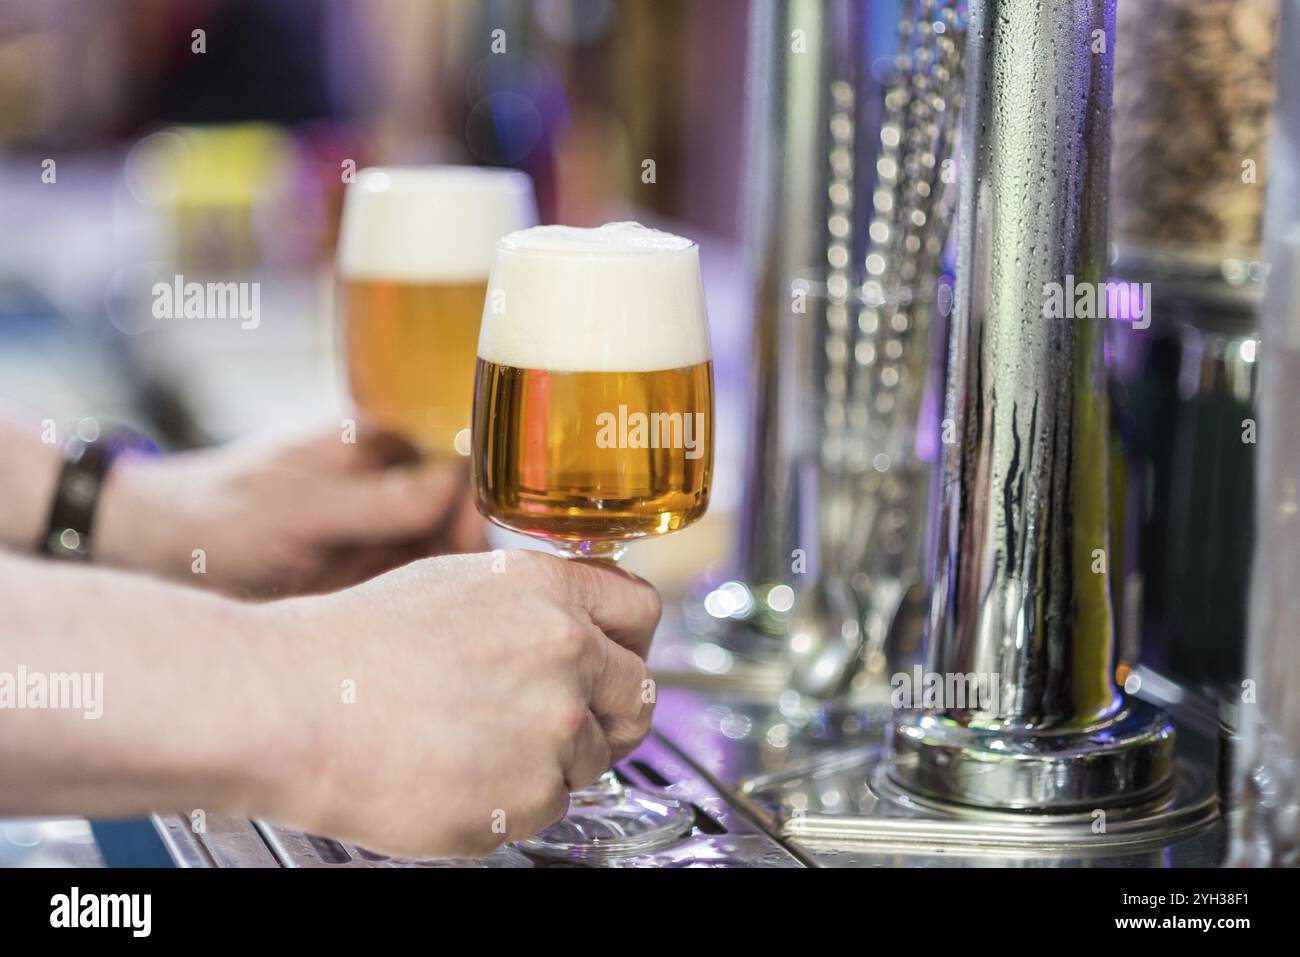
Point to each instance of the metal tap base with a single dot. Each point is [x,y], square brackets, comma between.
[1125,759]
[844,810]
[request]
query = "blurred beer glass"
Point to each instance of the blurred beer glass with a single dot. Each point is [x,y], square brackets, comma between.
[415,247]
[593,426]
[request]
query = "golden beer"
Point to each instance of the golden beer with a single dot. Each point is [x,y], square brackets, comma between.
[593,399]
[410,357]
[415,248]
[583,456]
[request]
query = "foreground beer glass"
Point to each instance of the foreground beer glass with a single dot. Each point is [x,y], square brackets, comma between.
[593,409]
[415,247]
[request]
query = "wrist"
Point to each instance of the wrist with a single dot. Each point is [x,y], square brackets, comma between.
[237,755]
[132,516]
[282,759]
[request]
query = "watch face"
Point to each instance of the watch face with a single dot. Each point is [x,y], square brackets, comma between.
[67,543]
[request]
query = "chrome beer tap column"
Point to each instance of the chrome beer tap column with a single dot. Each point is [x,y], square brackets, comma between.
[847,239]
[1019,634]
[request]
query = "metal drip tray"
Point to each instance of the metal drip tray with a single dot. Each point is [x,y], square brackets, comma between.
[723,836]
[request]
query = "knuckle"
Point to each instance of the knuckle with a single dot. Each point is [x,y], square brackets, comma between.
[569,718]
[566,639]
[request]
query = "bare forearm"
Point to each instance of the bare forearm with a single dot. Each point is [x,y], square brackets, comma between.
[178,705]
[28,470]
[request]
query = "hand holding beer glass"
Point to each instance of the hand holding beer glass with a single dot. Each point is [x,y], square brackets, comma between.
[593,407]
[414,251]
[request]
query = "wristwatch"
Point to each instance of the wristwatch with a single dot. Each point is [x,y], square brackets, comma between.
[85,467]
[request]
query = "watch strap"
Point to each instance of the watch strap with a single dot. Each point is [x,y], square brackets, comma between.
[86,464]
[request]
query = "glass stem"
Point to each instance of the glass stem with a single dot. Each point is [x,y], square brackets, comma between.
[607,785]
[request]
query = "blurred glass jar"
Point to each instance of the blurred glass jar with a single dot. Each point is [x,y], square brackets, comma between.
[1184,393]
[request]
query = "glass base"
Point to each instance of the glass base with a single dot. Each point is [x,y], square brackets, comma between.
[608,820]
[607,552]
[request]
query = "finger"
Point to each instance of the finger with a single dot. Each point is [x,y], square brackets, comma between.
[626,608]
[334,450]
[591,755]
[404,502]
[622,696]
[374,449]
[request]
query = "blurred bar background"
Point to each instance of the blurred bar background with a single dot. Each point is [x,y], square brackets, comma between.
[128,156]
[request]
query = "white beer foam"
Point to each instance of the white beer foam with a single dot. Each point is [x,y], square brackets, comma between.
[430,223]
[619,298]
